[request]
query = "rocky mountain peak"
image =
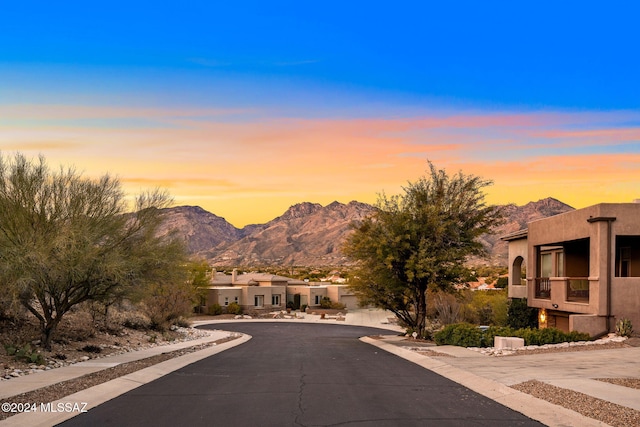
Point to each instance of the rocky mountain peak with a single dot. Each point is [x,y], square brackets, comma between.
[312,235]
[300,210]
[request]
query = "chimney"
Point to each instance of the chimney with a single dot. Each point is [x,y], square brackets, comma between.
[234,275]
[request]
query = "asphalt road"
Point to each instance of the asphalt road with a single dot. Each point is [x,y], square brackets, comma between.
[296,374]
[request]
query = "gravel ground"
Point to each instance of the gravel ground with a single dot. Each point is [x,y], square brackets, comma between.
[625,382]
[601,410]
[598,409]
[58,391]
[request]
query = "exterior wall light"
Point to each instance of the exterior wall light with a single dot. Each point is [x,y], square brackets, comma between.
[542,318]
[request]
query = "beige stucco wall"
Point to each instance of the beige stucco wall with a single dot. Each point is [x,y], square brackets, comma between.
[625,292]
[588,323]
[517,287]
[217,295]
[308,293]
[342,294]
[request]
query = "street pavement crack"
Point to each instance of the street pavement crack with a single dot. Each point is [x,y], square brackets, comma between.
[301,388]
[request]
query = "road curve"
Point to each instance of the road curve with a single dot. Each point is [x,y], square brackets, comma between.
[297,374]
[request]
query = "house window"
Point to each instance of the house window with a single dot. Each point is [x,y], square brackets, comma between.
[258,300]
[545,265]
[627,256]
[317,300]
[551,262]
[624,263]
[275,299]
[559,264]
[226,300]
[235,299]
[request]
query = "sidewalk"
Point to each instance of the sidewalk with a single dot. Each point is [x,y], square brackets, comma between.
[94,396]
[492,376]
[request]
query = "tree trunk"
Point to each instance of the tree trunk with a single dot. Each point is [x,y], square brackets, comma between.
[421,312]
[47,333]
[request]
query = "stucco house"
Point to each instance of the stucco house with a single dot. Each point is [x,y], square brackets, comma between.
[267,292]
[580,269]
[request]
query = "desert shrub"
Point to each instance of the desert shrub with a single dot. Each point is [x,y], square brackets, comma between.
[165,302]
[520,315]
[90,348]
[214,309]
[624,328]
[338,306]
[485,307]
[24,353]
[325,302]
[446,307]
[182,322]
[234,308]
[460,334]
[134,320]
[303,307]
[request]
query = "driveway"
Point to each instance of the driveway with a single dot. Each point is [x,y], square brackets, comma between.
[296,374]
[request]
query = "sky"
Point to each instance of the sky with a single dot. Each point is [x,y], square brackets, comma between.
[247,108]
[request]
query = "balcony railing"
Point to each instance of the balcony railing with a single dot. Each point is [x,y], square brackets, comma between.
[543,288]
[578,289]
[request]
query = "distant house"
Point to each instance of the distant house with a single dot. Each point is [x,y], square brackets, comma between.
[581,269]
[267,292]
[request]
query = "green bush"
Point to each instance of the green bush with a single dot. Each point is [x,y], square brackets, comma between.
[214,309]
[24,353]
[460,334]
[502,282]
[520,315]
[467,335]
[234,308]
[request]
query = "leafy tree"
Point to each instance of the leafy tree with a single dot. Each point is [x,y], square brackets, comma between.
[520,315]
[418,241]
[66,239]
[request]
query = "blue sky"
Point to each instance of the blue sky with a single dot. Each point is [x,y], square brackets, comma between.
[566,67]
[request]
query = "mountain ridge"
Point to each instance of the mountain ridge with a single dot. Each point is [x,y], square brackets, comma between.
[311,234]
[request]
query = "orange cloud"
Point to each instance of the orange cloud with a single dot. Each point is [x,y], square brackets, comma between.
[230,165]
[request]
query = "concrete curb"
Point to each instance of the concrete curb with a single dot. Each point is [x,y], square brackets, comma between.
[86,399]
[534,408]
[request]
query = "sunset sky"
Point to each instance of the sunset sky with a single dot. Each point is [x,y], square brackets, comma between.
[245,108]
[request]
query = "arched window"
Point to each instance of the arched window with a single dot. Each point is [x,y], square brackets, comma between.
[516,271]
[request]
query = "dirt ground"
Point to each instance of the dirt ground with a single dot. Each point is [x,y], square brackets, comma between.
[76,339]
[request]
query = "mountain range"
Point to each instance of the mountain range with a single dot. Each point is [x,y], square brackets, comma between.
[310,234]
